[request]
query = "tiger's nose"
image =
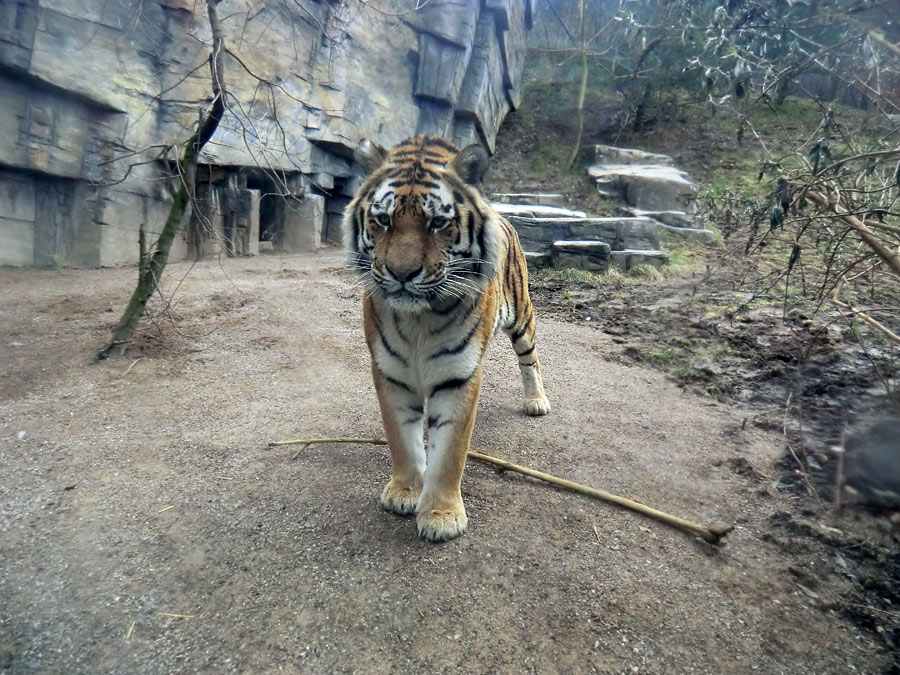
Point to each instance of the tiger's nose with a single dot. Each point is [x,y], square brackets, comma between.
[404,275]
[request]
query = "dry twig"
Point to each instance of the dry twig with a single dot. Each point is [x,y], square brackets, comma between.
[133,364]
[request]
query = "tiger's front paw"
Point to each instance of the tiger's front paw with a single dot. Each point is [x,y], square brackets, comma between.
[400,498]
[537,406]
[442,524]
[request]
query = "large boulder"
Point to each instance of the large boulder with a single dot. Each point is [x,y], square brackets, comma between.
[645,186]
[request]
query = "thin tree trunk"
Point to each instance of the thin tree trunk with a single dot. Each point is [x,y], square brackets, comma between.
[579,129]
[582,91]
[151,266]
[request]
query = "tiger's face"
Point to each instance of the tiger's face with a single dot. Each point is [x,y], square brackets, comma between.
[415,230]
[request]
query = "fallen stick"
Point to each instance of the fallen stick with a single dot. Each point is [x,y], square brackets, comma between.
[711,533]
[868,319]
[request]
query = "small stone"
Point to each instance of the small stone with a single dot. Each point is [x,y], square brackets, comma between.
[21,435]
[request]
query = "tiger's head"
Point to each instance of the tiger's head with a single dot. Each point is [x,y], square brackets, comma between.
[418,230]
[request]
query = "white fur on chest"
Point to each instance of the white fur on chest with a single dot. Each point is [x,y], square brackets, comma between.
[425,349]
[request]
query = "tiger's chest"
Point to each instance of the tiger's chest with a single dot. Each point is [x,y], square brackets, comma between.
[425,349]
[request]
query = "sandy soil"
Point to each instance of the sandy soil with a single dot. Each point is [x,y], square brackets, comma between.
[128,498]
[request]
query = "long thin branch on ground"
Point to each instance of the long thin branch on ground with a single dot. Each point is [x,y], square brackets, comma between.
[865,317]
[711,533]
[835,299]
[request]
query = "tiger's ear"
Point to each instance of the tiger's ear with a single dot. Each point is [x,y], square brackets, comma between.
[368,155]
[471,164]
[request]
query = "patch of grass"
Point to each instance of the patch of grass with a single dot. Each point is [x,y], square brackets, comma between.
[685,258]
[539,166]
[661,358]
[570,275]
[614,275]
[645,272]
[578,277]
[681,258]
[526,114]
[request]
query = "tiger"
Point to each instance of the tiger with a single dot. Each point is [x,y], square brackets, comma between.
[441,271]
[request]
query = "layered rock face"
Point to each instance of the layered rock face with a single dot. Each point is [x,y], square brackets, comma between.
[91,92]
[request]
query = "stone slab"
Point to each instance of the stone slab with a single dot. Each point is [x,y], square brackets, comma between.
[608,154]
[535,259]
[620,233]
[647,187]
[672,218]
[627,259]
[452,20]
[304,220]
[442,67]
[592,255]
[535,211]
[531,198]
[16,242]
[333,228]
[701,235]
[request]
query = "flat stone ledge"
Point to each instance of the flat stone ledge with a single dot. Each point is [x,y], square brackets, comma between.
[531,198]
[590,255]
[671,218]
[535,211]
[535,259]
[608,154]
[619,232]
[652,172]
[701,235]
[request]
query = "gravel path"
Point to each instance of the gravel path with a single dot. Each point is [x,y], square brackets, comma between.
[145,527]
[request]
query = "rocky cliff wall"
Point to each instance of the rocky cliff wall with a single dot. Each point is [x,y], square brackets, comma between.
[91,91]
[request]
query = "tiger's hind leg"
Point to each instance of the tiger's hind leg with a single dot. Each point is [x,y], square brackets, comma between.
[522,336]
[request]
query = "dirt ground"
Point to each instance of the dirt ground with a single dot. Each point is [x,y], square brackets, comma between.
[146,527]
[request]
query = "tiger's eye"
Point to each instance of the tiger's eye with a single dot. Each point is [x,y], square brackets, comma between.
[383,219]
[439,223]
